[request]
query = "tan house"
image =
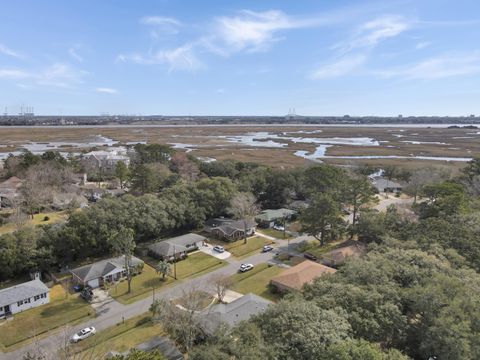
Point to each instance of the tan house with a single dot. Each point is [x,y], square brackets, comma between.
[295,277]
[338,256]
[229,229]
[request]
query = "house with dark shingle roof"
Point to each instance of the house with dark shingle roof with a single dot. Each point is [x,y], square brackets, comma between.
[176,248]
[231,314]
[295,277]
[23,297]
[104,271]
[268,218]
[229,229]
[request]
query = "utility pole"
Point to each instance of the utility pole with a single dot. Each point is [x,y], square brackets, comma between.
[174,263]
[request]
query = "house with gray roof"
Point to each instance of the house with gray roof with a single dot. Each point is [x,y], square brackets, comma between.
[231,314]
[22,297]
[229,229]
[158,343]
[270,217]
[384,185]
[104,271]
[176,248]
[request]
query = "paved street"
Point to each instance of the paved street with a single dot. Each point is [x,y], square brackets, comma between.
[111,313]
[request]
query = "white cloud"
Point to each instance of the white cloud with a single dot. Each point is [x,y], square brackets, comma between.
[459,64]
[106,90]
[422,45]
[161,25]
[73,52]
[341,67]
[371,33]
[5,50]
[14,74]
[181,58]
[251,31]
[58,75]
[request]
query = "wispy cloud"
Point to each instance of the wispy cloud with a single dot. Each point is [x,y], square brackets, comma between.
[161,25]
[450,65]
[422,45]
[57,75]
[355,52]
[252,31]
[342,66]
[14,74]
[371,33]
[5,50]
[106,90]
[73,52]
[181,58]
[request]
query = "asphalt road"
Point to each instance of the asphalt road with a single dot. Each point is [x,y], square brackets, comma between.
[113,312]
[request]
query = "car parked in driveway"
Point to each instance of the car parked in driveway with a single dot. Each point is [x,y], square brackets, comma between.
[267,248]
[83,334]
[218,249]
[245,267]
[279,227]
[310,256]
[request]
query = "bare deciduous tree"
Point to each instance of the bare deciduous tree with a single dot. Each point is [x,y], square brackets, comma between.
[221,283]
[243,207]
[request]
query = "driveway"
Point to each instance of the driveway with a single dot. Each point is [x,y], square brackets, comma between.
[208,249]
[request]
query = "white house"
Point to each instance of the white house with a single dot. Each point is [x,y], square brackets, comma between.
[104,271]
[23,297]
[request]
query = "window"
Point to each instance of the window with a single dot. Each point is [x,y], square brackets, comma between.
[36,297]
[20,303]
[44,295]
[1,309]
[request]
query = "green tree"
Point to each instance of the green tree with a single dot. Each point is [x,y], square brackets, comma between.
[323,218]
[359,192]
[123,243]
[122,173]
[164,268]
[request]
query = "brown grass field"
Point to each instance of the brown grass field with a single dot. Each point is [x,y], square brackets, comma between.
[209,141]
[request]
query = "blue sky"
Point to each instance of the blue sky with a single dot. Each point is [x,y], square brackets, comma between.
[172,57]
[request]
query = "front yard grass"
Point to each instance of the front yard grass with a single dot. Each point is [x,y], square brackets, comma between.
[313,247]
[120,337]
[38,219]
[241,250]
[142,285]
[34,322]
[257,281]
[274,233]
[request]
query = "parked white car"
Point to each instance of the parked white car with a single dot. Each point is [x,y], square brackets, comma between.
[246,267]
[83,334]
[219,249]
[279,227]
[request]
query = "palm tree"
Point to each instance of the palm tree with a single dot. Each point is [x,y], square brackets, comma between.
[163,267]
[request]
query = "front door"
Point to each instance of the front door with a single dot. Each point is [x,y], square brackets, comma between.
[7,310]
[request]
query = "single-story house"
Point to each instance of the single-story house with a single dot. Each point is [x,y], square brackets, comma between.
[338,256]
[268,218]
[177,247]
[163,344]
[295,277]
[231,314]
[9,190]
[104,271]
[385,185]
[229,229]
[23,297]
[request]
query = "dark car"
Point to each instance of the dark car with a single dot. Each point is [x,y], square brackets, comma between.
[310,256]
[87,293]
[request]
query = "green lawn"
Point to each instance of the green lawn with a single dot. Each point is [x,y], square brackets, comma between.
[120,337]
[241,250]
[257,281]
[38,219]
[143,284]
[317,250]
[35,322]
[274,233]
